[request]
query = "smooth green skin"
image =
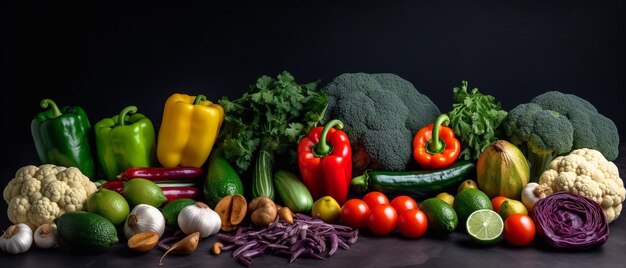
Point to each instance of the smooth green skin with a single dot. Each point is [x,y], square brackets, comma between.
[221,180]
[61,137]
[125,144]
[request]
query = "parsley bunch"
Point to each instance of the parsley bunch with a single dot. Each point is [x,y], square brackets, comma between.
[272,115]
[474,118]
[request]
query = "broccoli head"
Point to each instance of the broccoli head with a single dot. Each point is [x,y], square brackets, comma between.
[381,113]
[555,123]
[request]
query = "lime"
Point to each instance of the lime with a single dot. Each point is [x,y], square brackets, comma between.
[109,204]
[327,209]
[468,201]
[440,216]
[142,191]
[172,209]
[484,226]
[86,231]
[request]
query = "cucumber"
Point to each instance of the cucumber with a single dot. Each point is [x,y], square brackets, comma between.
[417,183]
[293,192]
[262,184]
[221,179]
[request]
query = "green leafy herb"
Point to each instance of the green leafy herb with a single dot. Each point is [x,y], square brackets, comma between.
[474,118]
[272,115]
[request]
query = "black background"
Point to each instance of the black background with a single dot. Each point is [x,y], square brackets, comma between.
[104,57]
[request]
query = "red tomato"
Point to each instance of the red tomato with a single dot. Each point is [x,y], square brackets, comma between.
[497,201]
[519,230]
[412,223]
[354,213]
[403,203]
[382,220]
[375,198]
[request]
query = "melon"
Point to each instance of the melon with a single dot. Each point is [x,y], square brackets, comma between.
[502,169]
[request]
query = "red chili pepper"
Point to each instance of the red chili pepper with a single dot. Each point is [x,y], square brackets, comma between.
[176,191]
[161,173]
[117,186]
[440,151]
[326,168]
[171,191]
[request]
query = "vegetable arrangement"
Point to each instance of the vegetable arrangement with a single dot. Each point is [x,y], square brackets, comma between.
[319,168]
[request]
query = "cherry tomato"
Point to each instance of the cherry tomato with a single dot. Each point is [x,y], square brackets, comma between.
[519,230]
[375,198]
[382,220]
[354,213]
[403,203]
[497,201]
[412,223]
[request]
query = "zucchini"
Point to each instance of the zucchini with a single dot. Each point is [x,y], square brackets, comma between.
[418,183]
[262,176]
[293,192]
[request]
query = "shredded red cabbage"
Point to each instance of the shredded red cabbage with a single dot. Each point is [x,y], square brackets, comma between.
[306,237]
[569,221]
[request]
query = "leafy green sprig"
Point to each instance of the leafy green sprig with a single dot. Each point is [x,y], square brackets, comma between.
[475,118]
[273,115]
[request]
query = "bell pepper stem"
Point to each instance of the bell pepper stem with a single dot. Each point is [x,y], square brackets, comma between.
[436,145]
[322,148]
[53,106]
[121,119]
[198,99]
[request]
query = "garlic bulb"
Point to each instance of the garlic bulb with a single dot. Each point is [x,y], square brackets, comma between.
[17,239]
[144,218]
[532,192]
[199,218]
[46,236]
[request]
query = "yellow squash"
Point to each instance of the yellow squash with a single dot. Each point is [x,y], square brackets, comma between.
[188,130]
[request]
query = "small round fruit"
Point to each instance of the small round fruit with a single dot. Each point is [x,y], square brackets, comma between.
[109,204]
[382,220]
[375,198]
[519,230]
[497,201]
[403,203]
[511,207]
[354,214]
[143,191]
[412,223]
[484,226]
[448,198]
[327,209]
[467,184]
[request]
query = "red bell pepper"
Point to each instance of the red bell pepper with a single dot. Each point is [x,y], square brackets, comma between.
[325,160]
[435,146]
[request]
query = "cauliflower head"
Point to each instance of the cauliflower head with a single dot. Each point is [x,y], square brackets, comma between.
[586,172]
[40,194]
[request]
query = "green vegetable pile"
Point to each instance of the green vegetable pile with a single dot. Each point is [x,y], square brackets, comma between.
[555,123]
[272,116]
[474,117]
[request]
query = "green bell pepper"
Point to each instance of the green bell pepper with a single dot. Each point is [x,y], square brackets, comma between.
[61,137]
[125,141]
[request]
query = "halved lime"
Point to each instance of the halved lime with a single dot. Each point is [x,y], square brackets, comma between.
[484,226]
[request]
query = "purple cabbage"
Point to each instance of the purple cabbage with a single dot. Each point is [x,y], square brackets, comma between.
[571,222]
[307,237]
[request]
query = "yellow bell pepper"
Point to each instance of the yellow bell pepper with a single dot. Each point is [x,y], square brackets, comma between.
[188,130]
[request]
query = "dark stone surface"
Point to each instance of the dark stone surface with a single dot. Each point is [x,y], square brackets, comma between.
[389,251]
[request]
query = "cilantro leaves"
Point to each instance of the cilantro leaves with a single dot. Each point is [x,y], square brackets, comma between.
[273,114]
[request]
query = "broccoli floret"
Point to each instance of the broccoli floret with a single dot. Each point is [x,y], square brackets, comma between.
[555,123]
[381,114]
